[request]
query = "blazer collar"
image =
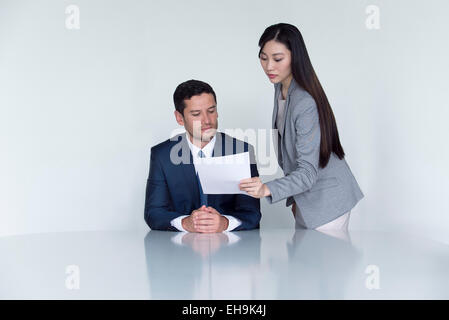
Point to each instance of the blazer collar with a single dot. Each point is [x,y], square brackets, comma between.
[277,95]
[293,86]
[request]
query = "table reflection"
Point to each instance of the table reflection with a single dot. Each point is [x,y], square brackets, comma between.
[180,266]
[320,265]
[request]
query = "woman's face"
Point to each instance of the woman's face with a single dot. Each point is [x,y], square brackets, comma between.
[275,59]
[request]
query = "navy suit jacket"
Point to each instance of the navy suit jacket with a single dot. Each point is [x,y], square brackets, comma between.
[172,187]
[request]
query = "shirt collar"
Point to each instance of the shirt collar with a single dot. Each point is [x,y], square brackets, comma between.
[207,150]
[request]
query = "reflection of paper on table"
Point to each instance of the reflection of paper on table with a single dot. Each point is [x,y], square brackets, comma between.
[221,175]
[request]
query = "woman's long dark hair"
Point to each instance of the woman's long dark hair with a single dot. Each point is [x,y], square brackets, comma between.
[304,75]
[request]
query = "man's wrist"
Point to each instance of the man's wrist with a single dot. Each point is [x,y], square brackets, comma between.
[225,223]
[184,224]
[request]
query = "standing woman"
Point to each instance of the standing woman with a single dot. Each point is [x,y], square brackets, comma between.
[318,181]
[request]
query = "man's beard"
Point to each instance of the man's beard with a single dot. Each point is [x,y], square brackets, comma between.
[209,135]
[203,137]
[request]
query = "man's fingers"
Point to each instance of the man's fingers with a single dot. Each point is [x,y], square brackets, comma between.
[199,211]
[204,215]
[204,218]
[212,210]
[205,224]
[205,227]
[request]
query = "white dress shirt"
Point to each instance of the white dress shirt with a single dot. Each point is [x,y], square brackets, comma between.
[207,150]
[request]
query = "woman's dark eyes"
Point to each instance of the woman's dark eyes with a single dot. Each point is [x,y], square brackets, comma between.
[263,59]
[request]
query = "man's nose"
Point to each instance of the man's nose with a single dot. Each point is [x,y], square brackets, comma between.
[207,118]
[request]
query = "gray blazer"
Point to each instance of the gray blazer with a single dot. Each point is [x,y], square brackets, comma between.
[321,194]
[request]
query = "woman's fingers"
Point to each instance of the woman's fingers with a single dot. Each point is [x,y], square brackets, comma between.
[250,181]
[253,193]
[249,189]
[251,186]
[246,186]
[246,180]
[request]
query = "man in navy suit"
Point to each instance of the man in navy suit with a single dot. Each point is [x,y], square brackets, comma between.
[174,197]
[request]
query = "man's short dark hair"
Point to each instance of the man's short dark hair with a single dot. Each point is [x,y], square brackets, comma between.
[187,90]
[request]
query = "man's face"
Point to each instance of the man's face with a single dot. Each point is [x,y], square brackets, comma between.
[200,117]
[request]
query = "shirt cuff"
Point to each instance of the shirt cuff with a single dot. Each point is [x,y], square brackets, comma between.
[233,222]
[177,223]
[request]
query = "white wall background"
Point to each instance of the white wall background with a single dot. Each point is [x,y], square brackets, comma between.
[80,109]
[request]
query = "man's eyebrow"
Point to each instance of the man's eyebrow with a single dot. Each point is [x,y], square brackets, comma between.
[212,107]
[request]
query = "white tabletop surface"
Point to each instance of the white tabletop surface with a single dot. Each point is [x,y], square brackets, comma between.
[257,264]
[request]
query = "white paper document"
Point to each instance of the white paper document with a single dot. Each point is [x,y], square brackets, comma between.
[221,175]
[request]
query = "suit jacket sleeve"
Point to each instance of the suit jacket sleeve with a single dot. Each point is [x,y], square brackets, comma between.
[247,208]
[158,205]
[307,145]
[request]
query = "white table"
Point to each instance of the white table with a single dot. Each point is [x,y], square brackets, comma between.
[265,264]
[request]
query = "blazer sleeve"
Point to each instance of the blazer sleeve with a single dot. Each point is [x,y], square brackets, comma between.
[247,208]
[307,146]
[158,205]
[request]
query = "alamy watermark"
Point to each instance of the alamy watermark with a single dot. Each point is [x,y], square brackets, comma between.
[72,281]
[263,145]
[72,20]
[373,279]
